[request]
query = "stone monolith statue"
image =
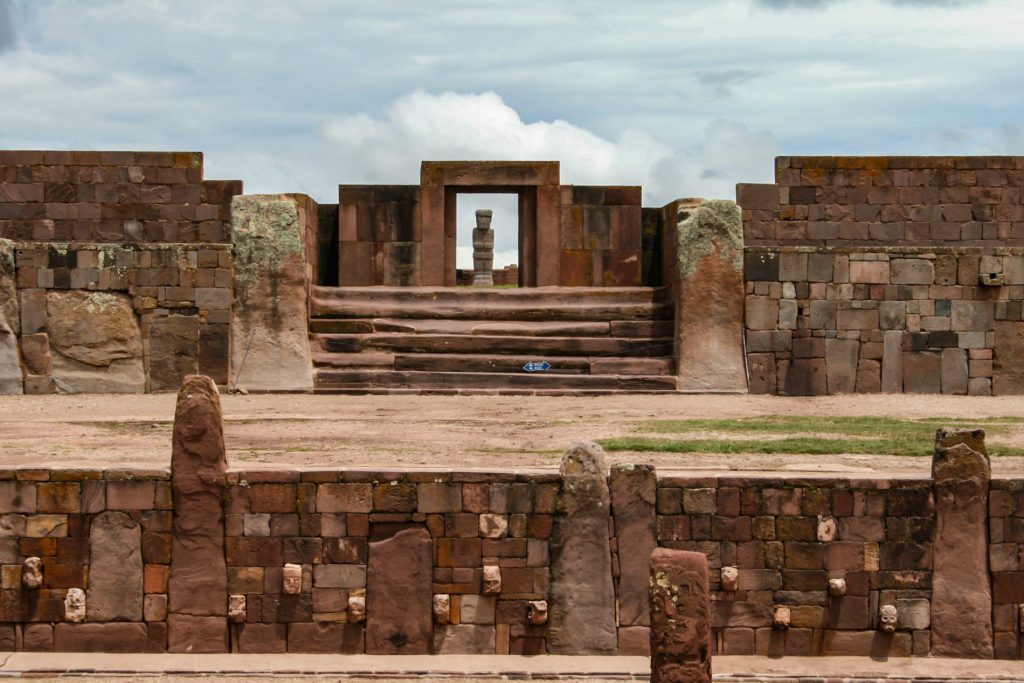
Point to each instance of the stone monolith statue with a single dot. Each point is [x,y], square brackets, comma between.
[483,249]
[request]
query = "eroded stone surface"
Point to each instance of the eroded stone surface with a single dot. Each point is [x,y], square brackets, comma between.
[173,351]
[961,610]
[711,299]
[837,587]
[633,491]
[32,573]
[291,579]
[537,612]
[491,579]
[730,579]
[782,617]
[198,576]
[269,327]
[95,342]
[11,382]
[236,608]
[680,617]
[442,607]
[74,606]
[582,598]
[115,568]
[399,595]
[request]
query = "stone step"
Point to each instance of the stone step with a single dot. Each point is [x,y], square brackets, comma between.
[600,304]
[429,362]
[493,344]
[616,328]
[398,379]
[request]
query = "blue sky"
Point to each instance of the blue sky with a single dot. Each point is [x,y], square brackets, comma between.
[684,97]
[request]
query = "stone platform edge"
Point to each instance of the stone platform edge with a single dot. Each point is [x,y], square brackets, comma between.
[506,667]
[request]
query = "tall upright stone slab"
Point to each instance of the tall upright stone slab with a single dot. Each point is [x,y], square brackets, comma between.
[634,491]
[10,320]
[710,298]
[399,594]
[581,610]
[680,617]
[270,316]
[961,611]
[198,591]
[115,569]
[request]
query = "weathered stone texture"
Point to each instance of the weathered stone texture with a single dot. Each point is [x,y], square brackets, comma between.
[399,594]
[961,609]
[710,307]
[115,569]
[582,598]
[633,491]
[95,341]
[269,322]
[681,645]
[198,574]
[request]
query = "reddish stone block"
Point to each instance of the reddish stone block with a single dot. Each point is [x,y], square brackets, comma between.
[262,638]
[273,497]
[58,497]
[131,495]
[344,497]
[397,497]
[113,637]
[325,638]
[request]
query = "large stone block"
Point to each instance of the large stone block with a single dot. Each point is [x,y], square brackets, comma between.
[911,271]
[399,594]
[892,362]
[1008,358]
[634,489]
[173,351]
[115,569]
[710,304]
[680,617]
[198,576]
[10,364]
[954,371]
[921,372]
[100,638]
[961,609]
[581,607]
[841,365]
[269,321]
[95,341]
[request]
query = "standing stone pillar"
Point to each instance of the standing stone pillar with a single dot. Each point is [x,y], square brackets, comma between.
[710,298]
[634,490]
[197,588]
[270,313]
[483,249]
[961,617]
[10,364]
[581,612]
[680,617]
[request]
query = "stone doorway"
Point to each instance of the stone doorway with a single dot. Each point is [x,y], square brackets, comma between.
[539,197]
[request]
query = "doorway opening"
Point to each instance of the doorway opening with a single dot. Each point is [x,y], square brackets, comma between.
[471,261]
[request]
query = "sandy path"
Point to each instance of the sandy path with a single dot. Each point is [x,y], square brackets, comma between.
[445,431]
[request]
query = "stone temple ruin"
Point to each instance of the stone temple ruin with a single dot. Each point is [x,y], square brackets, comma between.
[859,274]
[206,557]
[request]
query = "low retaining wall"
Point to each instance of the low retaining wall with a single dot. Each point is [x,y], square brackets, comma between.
[497,557]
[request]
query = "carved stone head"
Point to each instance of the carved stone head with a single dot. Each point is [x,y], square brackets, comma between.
[537,612]
[236,608]
[32,572]
[74,606]
[781,617]
[483,219]
[887,618]
[292,579]
[356,609]
[837,587]
[730,579]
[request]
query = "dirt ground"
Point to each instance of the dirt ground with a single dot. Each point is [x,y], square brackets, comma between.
[103,431]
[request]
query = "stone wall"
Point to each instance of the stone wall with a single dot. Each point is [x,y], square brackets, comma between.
[857,201]
[122,317]
[889,274]
[600,236]
[116,524]
[490,543]
[112,197]
[892,319]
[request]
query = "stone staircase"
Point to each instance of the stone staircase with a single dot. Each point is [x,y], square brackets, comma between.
[579,340]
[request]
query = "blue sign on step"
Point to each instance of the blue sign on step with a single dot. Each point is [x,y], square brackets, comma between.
[537,367]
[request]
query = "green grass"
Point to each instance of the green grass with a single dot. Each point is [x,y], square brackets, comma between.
[832,435]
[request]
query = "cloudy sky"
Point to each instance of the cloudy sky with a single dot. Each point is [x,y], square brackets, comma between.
[684,97]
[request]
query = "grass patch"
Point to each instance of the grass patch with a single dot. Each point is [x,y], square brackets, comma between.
[831,435]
